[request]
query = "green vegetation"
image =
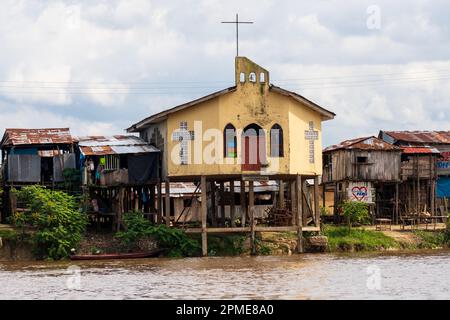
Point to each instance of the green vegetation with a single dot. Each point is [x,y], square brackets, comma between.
[355,212]
[57,222]
[9,234]
[72,180]
[345,239]
[431,239]
[228,245]
[137,228]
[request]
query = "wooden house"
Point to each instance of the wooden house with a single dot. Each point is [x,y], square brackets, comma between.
[120,174]
[425,168]
[34,156]
[251,131]
[364,169]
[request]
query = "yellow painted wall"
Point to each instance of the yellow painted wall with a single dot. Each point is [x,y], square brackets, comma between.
[299,117]
[250,103]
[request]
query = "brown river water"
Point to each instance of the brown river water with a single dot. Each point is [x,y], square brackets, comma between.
[309,276]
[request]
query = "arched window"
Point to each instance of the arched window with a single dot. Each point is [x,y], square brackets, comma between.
[242,77]
[252,77]
[229,141]
[276,141]
[262,77]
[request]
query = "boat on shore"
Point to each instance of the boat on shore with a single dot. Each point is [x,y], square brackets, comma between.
[113,256]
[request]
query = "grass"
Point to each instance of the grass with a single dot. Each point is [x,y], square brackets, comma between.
[344,239]
[8,234]
[431,239]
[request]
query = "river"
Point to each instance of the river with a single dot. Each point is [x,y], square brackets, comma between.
[308,276]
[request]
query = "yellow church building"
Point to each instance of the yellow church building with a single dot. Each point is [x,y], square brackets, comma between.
[252,131]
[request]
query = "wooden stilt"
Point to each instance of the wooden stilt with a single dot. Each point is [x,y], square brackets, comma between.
[222,204]
[396,204]
[204,212]
[281,193]
[159,202]
[433,197]
[120,208]
[232,206]
[243,204]
[293,201]
[213,204]
[167,195]
[299,206]
[316,201]
[336,204]
[251,209]
[12,203]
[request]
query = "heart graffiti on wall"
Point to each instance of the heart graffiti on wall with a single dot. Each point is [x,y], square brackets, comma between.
[359,193]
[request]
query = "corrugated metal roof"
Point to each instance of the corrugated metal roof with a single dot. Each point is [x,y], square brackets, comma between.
[179,189]
[364,143]
[326,114]
[49,153]
[258,186]
[419,150]
[430,137]
[15,137]
[119,144]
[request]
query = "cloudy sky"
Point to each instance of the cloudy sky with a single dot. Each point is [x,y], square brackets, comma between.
[100,66]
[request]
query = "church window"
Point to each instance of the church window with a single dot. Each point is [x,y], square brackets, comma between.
[262,77]
[276,141]
[242,77]
[230,141]
[252,77]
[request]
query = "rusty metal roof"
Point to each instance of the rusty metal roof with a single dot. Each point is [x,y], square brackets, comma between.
[364,143]
[430,137]
[119,144]
[15,137]
[419,150]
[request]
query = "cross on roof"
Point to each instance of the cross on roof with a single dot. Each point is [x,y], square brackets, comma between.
[237,22]
[311,136]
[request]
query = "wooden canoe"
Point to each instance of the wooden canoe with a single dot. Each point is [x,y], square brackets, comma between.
[112,256]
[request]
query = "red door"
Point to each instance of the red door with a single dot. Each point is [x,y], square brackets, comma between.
[253,150]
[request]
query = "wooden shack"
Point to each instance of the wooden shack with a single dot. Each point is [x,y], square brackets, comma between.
[363,169]
[34,156]
[422,163]
[251,131]
[120,174]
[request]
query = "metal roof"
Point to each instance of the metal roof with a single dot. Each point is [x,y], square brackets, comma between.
[258,186]
[15,137]
[179,189]
[326,115]
[364,143]
[419,150]
[430,137]
[118,144]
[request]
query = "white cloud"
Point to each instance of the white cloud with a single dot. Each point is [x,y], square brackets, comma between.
[155,54]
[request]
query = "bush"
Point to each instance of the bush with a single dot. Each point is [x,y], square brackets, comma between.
[355,212]
[56,216]
[175,240]
[344,239]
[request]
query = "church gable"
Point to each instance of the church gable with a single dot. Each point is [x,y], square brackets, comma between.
[252,127]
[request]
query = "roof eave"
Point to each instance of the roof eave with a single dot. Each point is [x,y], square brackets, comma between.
[326,114]
[158,117]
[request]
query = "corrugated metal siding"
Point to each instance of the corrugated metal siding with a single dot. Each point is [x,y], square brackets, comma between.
[69,161]
[24,168]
